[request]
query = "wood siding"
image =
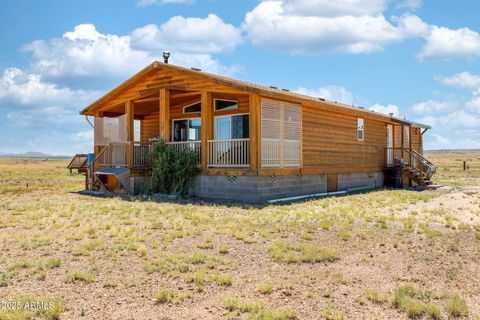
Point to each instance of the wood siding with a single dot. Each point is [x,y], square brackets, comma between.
[330,142]
[417,140]
[150,126]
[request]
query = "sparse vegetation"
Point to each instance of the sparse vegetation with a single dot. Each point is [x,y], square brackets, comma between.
[80,276]
[415,302]
[456,307]
[265,288]
[296,259]
[301,253]
[256,310]
[170,296]
[32,307]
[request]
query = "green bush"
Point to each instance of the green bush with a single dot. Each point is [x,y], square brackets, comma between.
[173,172]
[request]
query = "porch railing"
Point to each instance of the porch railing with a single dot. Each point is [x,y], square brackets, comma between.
[140,152]
[411,159]
[195,146]
[229,153]
[221,153]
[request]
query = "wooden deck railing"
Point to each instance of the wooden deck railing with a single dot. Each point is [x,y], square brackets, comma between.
[229,153]
[221,153]
[140,155]
[411,159]
[195,146]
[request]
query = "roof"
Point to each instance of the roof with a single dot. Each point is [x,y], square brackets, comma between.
[246,86]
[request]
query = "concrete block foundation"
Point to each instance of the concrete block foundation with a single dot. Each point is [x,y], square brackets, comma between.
[259,189]
[354,180]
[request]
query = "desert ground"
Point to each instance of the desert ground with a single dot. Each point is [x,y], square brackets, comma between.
[384,254]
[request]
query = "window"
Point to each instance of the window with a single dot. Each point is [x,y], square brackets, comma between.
[232,127]
[221,105]
[192,108]
[187,130]
[137,124]
[360,129]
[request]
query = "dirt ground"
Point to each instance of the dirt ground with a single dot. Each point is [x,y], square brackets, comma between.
[346,257]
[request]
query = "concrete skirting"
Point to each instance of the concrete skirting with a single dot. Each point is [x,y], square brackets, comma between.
[354,180]
[260,189]
[257,188]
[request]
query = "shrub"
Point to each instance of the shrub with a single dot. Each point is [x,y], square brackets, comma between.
[80,276]
[170,296]
[173,172]
[332,313]
[266,288]
[53,263]
[456,307]
[6,278]
[301,253]
[415,302]
[256,310]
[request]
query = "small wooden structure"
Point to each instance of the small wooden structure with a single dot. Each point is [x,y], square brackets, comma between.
[254,142]
[79,162]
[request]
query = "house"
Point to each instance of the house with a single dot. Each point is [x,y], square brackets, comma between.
[254,142]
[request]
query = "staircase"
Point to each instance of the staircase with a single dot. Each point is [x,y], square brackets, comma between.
[418,168]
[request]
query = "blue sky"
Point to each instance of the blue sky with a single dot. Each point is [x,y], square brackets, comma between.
[418,59]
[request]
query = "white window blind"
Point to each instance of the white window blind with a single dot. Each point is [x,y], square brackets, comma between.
[281,134]
[110,130]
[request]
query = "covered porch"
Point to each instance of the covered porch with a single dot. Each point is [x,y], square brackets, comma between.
[221,128]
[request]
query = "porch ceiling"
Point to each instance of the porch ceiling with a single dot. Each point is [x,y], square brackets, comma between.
[150,104]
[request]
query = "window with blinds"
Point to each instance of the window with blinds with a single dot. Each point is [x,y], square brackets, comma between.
[281,134]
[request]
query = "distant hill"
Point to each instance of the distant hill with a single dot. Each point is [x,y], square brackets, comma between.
[32,154]
[460,151]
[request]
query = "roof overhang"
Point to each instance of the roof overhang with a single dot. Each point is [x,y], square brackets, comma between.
[249,87]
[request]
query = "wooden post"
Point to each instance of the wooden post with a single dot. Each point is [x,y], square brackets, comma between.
[130,123]
[410,144]
[207,127]
[129,110]
[255,136]
[164,105]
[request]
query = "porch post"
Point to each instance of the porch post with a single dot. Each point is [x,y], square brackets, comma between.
[129,110]
[255,132]
[207,127]
[130,123]
[164,111]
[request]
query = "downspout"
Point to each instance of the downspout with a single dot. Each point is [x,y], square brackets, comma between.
[91,125]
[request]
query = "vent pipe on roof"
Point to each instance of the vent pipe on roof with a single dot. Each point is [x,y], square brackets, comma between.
[166,55]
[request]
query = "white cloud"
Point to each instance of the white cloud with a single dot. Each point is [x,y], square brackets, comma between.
[433,106]
[447,44]
[209,35]
[474,103]
[329,8]
[389,108]
[346,26]
[26,90]
[410,4]
[145,3]
[86,53]
[455,123]
[464,80]
[331,93]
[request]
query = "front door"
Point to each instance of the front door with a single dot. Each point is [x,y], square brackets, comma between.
[389,145]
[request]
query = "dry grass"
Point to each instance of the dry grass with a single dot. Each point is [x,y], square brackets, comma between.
[334,258]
